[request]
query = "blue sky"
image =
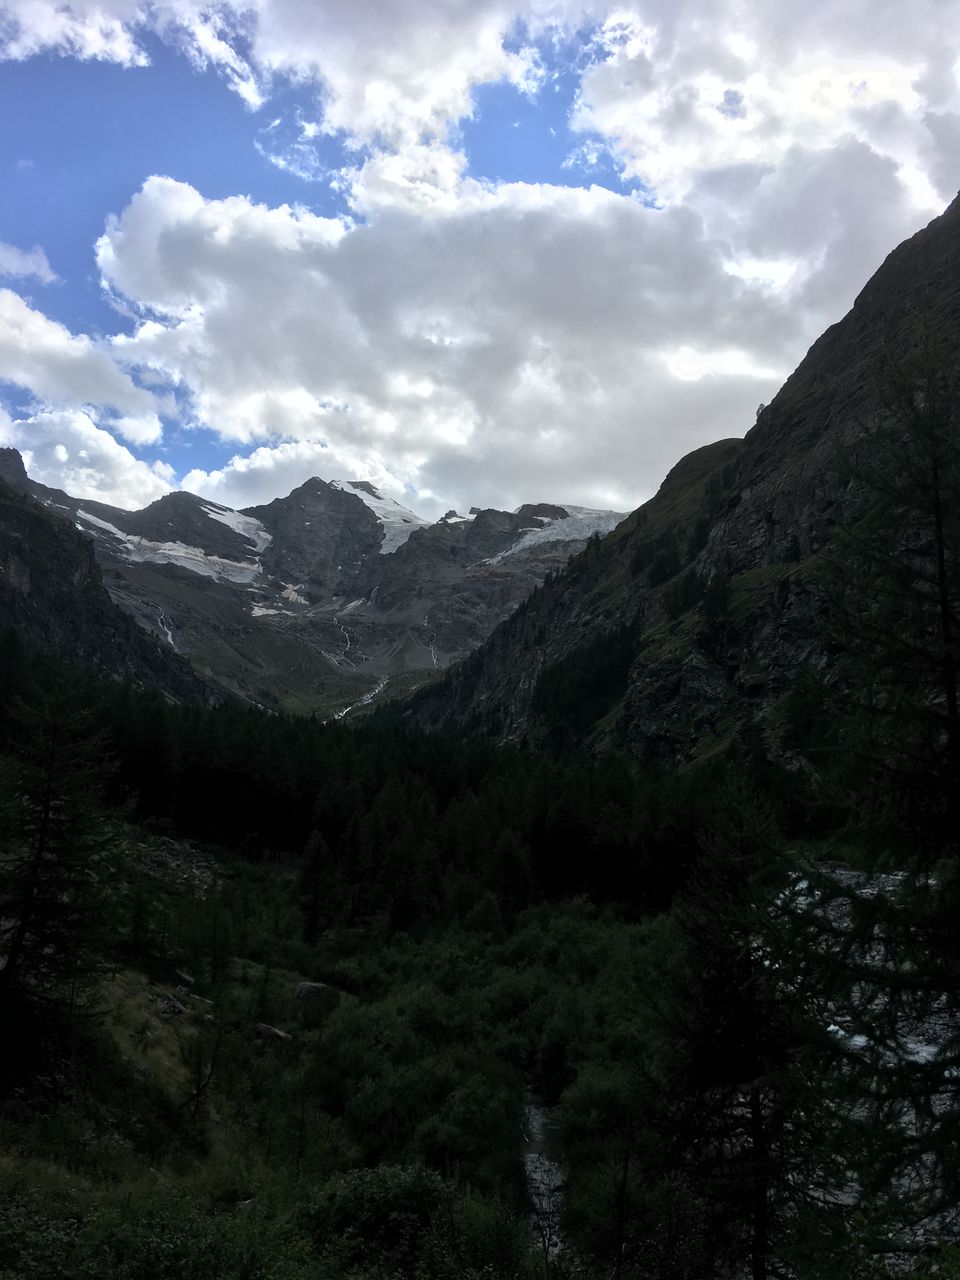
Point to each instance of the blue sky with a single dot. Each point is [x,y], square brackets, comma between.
[492,237]
[85,135]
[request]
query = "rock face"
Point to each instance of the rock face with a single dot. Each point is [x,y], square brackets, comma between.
[322,600]
[52,593]
[12,470]
[754,514]
[321,536]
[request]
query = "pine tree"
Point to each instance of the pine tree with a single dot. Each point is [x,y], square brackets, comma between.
[57,856]
[892,619]
[731,1089]
[322,889]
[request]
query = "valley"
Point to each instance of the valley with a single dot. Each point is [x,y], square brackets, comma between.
[318,600]
[546,894]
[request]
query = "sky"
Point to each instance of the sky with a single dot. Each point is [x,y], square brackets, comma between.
[478,252]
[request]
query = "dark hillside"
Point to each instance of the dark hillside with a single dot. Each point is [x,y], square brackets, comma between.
[52,594]
[716,578]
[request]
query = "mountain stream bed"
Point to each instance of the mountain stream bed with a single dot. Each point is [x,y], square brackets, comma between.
[545,1178]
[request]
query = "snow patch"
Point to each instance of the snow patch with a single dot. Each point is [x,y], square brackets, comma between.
[581,525]
[292,593]
[101,524]
[141,550]
[247,526]
[396,521]
[192,558]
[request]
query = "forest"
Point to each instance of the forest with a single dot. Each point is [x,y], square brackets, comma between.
[290,999]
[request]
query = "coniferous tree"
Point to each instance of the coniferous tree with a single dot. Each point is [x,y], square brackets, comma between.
[892,618]
[58,850]
[728,1092]
[322,888]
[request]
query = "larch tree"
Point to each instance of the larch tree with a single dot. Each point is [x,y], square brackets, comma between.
[892,622]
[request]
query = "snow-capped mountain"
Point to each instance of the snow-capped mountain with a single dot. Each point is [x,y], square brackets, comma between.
[329,596]
[396,521]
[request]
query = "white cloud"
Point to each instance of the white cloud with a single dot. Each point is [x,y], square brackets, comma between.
[661,87]
[497,344]
[257,477]
[20,262]
[675,86]
[67,450]
[488,352]
[64,369]
[394,71]
[85,30]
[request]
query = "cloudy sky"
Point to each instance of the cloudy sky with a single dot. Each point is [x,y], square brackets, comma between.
[480,252]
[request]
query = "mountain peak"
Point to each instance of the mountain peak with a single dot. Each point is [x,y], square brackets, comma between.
[366,487]
[12,469]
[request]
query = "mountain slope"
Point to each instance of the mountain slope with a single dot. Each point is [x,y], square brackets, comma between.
[633,643]
[52,593]
[322,599]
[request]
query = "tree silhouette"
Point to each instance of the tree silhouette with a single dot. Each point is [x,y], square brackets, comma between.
[893,599]
[57,855]
[892,619]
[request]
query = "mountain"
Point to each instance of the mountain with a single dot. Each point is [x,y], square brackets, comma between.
[692,618]
[52,593]
[323,599]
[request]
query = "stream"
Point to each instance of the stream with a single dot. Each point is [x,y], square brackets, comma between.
[365,700]
[545,1179]
[165,628]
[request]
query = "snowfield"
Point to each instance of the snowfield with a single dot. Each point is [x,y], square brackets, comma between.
[247,526]
[396,521]
[139,550]
[581,525]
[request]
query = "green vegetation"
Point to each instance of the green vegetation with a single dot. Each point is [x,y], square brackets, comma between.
[577,691]
[450,964]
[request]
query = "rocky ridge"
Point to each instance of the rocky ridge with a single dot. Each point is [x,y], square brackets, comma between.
[52,594]
[326,598]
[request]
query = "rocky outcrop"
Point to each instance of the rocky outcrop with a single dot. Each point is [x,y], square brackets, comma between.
[52,593]
[12,470]
[322,537]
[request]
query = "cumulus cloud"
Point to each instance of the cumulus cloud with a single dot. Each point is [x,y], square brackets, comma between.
[20,262]
[501,343]
[391,71]
[65,369]
[483,360]
[459,341]
[67,450]
[105,32]
[682,89]
[672,87]
[250,479]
